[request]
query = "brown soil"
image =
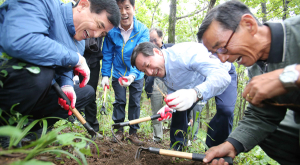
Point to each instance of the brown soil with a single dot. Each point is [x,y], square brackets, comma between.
[111,154]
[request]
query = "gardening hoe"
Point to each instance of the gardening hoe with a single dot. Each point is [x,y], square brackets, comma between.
[61,94]
[132,122]
[179,154]
[103,108]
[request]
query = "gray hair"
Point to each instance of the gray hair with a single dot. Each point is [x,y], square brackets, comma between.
[227,14]
[158,31]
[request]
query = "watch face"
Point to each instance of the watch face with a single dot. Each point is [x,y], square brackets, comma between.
[288,77]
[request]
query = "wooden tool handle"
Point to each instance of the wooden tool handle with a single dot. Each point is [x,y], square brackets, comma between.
[64,96]
[78,115]
[176,154]
[136,121]
[105,91]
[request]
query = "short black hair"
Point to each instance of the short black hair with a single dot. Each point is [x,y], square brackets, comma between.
[158,31]
[228,14]
[110,6]
[146,48]
[132,2]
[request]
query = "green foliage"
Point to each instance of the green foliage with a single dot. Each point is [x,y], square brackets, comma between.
[21,65]
[31,162]
[255,156]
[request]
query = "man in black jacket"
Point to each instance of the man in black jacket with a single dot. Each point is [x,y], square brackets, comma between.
[93,55]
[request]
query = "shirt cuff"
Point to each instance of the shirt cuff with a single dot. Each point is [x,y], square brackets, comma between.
[236,144]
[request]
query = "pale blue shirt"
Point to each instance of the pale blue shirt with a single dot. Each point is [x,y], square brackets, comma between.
[190,65]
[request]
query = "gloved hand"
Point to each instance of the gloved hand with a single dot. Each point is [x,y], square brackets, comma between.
[83,69]
[126,81]
[165,113]
[105,82]
[182,99]
[70,93]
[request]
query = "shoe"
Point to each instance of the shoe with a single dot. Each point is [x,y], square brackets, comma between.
[157,140]
[4,142]
[119,135]
[133,138]
[99,136]
[34,135]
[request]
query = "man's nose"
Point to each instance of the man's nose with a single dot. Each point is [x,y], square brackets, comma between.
[149,72]
[98,33]
[223,58]
[122,11]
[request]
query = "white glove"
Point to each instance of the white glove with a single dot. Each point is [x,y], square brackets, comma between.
[104,82]
[126,81]
[83,69]
[182,99]
[70,93]
[165,113]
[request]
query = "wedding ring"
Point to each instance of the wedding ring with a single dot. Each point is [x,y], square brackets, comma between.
[249,97]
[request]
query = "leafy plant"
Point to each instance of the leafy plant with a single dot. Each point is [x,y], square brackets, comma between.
[3,73]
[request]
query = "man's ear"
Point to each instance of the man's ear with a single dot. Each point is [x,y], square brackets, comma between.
[249,23]
[157,51]
[83,4]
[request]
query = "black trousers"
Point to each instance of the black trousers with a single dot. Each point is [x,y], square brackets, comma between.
[135,92]
[34,94]
[91,109]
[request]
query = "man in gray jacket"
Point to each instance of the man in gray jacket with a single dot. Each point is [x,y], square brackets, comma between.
[271,120]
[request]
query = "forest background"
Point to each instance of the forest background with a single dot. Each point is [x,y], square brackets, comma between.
[180,20]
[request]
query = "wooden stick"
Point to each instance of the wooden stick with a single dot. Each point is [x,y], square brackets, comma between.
[161,92]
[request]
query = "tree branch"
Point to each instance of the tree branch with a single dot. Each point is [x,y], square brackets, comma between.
[196,12]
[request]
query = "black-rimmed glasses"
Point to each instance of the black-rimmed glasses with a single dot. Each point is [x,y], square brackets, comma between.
[223,50]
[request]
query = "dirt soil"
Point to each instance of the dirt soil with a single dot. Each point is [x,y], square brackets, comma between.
[111,154]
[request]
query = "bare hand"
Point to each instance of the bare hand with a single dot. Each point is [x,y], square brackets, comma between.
[222,150]
[264,87]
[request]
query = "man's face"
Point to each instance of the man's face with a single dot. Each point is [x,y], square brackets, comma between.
[90,25]
[155,39]
[151,65]
[127,12]
[239,49]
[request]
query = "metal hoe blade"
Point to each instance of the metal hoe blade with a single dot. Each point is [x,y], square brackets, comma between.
[113,133]
[138,152]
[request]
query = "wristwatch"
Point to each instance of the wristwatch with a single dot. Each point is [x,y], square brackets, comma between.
[289,76]
[199,94]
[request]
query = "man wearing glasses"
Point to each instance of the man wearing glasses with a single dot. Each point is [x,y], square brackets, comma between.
[272,51]
[191,74]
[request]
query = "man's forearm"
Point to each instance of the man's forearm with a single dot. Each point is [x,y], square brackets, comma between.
[298,81]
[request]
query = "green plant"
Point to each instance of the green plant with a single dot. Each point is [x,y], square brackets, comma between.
[3,73]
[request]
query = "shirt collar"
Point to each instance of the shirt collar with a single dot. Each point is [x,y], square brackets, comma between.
[277,49]
[131,27]
[163,46]
[68,17]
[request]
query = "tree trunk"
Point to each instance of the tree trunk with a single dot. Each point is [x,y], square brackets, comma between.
[285,9]
[264,11]
[211,5]
[172,22]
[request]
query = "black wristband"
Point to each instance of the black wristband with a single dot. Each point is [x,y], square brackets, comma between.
[236,144]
